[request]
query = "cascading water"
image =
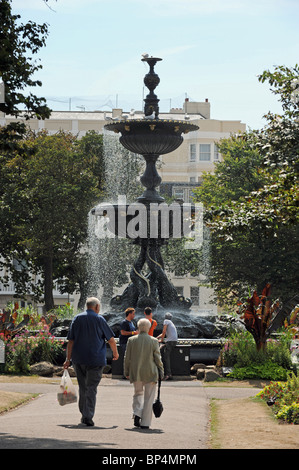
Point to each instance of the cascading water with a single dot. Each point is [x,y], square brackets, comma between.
[109,257]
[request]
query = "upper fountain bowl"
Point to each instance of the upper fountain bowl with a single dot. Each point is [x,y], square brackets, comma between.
[151,136]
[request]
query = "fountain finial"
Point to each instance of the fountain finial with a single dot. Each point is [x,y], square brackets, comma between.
[151,81]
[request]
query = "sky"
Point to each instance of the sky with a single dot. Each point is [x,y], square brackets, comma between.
[211,49]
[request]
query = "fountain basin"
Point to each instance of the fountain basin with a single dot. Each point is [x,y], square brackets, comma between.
[151,136]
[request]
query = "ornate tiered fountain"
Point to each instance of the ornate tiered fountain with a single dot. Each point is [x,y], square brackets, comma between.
[150,137]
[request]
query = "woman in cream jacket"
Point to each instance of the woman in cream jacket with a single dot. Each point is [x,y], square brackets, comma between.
[142,366]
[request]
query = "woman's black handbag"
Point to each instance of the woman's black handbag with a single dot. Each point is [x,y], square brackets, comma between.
[157,405]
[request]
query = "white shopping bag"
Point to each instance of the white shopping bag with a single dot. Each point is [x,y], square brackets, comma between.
[67,391]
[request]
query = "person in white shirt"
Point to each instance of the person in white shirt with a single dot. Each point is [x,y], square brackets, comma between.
[169,338]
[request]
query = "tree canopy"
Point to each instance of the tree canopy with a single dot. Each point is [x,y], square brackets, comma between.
[45,199]
[19,43]
[252,201]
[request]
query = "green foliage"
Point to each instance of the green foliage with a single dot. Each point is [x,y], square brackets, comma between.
[251,201]
[38,321]
[284,397]
[34,317]
[90,146]
[182,261]
[63,312]
[45,347]
[266,371]
[289,413]
[235,176]
[19,42]
[45,199]
[240,352]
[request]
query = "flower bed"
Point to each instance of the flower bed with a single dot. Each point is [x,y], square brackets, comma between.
[23,350]
[31,342]
[283,397]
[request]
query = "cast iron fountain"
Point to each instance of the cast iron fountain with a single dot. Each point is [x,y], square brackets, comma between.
[149,137]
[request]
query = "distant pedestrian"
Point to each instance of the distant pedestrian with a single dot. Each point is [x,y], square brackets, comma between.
[127,328]
[149,315]
[143,366]
[169,338]
[87,348]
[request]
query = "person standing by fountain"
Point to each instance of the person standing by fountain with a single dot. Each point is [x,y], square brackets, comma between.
[87,349]
[127,328]
[149,315]
[142,366]
[169,336]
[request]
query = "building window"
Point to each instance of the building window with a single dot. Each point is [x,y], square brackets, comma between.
[194,295]
[19,265]
[183,192]
[178,193]
[192,152]
[192,179]
[204,152]
[216,153]
[180,290]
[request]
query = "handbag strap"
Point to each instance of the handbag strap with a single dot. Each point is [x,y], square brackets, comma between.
[159,386]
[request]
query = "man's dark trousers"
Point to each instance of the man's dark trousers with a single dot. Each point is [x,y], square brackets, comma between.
[88,378]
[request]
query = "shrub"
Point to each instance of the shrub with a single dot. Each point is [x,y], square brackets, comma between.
[22,350]
[240,352]
[64,312]
[45,348]
[266,371]
[37,320]
[17,355]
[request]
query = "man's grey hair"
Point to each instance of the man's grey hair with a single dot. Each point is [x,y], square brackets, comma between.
[92,302]
[143,325]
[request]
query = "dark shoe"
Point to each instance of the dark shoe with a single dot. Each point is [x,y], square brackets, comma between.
[144,427]
[88,422]
[137,421]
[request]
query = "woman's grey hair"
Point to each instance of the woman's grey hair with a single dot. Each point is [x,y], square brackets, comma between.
[92,302]
[144,325]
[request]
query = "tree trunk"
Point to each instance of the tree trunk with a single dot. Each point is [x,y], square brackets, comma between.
[83,295]
[48,283]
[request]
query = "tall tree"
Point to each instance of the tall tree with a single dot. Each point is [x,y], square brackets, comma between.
[73,275]
[255,235]
[48,195]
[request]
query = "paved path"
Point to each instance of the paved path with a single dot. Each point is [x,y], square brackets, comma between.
[44,424]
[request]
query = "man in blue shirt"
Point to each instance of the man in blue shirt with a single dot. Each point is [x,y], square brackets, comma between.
[87,348]
[127,328]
